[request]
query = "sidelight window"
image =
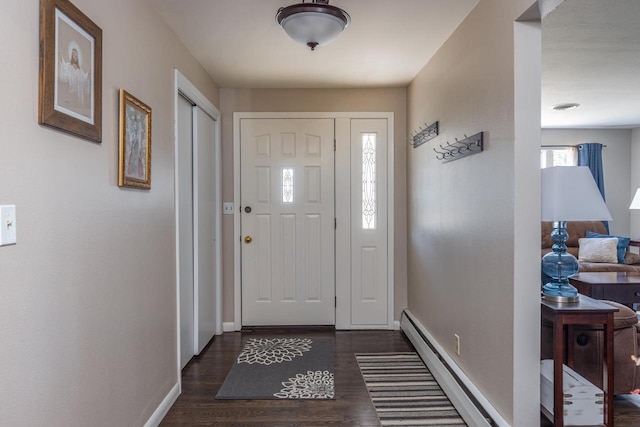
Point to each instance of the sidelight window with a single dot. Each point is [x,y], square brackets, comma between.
[369,181]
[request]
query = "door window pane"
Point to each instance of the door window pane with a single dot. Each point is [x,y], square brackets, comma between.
[287,185]
[369,181]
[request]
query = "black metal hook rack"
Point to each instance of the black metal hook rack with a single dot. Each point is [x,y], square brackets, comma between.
[461,148]
[423,135]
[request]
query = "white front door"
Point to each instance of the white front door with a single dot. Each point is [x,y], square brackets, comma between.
[287,221]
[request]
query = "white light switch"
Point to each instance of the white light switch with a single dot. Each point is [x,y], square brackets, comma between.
[7,225]
[227,208]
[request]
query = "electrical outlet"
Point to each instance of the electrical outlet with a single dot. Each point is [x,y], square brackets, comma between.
[457,343]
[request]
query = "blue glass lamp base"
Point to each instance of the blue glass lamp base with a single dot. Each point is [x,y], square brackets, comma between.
[559,265]
[560,292]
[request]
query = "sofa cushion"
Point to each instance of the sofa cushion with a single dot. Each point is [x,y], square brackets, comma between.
[631,258]
[624,316]
[575,229]
[586,267]
[598,249]
[623,243]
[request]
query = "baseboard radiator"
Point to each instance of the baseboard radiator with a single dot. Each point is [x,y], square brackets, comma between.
[473,407]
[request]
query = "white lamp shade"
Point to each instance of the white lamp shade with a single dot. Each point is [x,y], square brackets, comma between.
[313,27]
[569,193]
[635,203]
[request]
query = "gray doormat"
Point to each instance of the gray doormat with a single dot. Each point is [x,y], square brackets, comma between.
[281,368]
[404,392]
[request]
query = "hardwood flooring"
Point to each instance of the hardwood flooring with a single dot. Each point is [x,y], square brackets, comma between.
[204,375]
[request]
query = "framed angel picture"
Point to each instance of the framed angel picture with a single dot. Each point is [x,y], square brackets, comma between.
[135,142]
[70,96]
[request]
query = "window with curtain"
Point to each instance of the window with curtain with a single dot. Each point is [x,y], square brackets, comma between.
[558,156]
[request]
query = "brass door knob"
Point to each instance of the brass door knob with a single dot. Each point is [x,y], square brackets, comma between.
[248,239]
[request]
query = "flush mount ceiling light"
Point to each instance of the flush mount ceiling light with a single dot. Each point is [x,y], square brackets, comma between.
[565,107]
[313,24]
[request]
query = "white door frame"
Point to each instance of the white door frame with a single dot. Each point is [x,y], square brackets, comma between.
[343,138]
[184,86]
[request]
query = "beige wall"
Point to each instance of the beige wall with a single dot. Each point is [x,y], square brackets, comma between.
[88,295]
[461,215]
[315,100]
[616,164]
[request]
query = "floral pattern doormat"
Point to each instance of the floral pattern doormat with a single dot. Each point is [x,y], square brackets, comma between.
[281,368]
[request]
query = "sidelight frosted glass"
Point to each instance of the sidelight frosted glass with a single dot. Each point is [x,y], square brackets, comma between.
[369,181]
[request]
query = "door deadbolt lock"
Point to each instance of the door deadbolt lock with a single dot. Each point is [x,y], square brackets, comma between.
[248,239]
[247,209]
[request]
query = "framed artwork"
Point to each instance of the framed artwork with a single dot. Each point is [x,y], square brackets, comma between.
[70,96]
[135,142]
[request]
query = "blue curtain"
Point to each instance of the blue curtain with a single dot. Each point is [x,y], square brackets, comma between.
[590,154]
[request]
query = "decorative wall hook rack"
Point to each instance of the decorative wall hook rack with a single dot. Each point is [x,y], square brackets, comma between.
[461,148]
[421,136]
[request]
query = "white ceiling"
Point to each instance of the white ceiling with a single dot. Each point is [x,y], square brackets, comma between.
[240,44]
[591,50]
[591,56]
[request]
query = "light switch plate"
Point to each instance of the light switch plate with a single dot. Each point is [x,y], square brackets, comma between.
[227,208]
[7,225]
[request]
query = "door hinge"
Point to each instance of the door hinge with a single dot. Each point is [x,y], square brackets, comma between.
[334,144]
[335,302]
[335,223]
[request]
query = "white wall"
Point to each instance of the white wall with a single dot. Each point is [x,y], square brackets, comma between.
[461,215]
[616,164]
[88,294]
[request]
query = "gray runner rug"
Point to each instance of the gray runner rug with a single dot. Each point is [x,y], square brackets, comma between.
[404,392]
[282,368]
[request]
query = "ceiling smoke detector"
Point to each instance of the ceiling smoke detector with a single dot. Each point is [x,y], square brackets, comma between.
[565,107]
[313,24]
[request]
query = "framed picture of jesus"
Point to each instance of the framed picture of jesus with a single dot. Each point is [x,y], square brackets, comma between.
[70,96]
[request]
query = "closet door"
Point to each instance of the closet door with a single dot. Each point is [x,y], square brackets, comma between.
[204,209]
[185,228]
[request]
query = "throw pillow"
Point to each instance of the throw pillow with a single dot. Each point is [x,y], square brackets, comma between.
[598,249]
[632,258]
[623,243]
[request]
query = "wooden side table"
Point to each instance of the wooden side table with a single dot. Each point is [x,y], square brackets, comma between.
[562,316]
[622,287]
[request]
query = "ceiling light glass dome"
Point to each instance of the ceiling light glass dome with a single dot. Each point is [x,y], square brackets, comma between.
[313,24]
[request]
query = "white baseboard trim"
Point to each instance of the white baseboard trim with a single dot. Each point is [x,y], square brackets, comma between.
[396,325]
[163,408]
[228,326]
[435,358]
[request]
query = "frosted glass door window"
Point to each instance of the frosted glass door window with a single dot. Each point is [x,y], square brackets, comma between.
[287,185]
[369,181]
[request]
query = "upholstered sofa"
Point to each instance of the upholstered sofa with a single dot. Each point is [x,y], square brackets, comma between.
[577,230]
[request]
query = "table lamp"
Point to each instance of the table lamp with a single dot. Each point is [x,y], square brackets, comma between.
[635,203]
[569,193]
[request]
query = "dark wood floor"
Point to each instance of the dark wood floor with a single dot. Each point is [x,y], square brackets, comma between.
[204,375]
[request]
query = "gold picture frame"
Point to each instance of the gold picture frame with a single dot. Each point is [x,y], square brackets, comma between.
[70,90]
[135,142]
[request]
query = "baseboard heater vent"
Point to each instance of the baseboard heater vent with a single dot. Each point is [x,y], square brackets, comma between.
[474,408]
